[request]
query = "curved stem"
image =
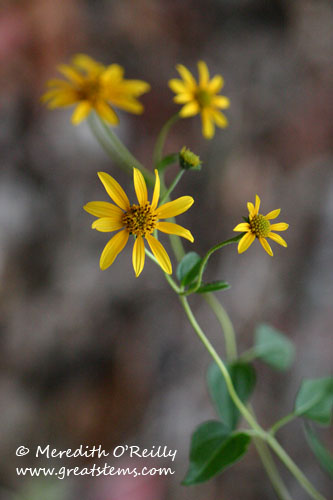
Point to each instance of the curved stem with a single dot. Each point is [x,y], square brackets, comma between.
[226,325]
[158,150]
[205,260]
[280,423]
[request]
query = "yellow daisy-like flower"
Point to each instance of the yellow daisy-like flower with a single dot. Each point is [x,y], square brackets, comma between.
[93,86]
[139,220]
[260,227]
[201,97]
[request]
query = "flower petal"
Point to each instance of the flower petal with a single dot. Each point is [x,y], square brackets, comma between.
[70,73]
[112,74]
[273,214]
[216,84]
[160,253]
[156,194]
[203,73]
[171,228]
[243,226]
[219,118]
[278,239]
[266,246]
[114,190]
[113,248]
[245,242]
[250,208]
[221,101]
[257,205]
[62,99]
[177,86]
[175,207]
[88,64]
[190,109]
[103,209]
[138,255]
[107,224]
[208,128]
[183,98]
[106,112]
[140,187]
[280,226]
[186,76]
[81,112]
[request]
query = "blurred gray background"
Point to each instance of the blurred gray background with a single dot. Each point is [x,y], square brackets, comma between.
[92,357]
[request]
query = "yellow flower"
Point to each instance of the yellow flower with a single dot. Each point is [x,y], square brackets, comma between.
[201,97]
[258,226]
[93,86]
[139,220]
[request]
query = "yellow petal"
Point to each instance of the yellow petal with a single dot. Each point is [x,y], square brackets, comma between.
[160,253]
[138,255]
[250,208]
[243,226]
[215,84]
[106,112]
[171,228]
[81,112]
[113,248]
[245,242]
[62,99]
[278,239]
[113,74]
[114,190]
[156,194]
[203,73]
[135,87]
[88,64]
[107,224]
[183,98]
[140,187]
[257,205]
[177,86]
[280,226]
[219,118]
[56,82]
[70,73]
[273,214]
[190,109]
[266,246]
[208,128]
[128,104]
[221,102]
[186,76]
[103,209]
[175,207]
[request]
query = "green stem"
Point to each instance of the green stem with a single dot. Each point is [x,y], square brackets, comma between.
[290,464]
[280,423]
[226,325]
[158,150]
[248,355]
[242,408]
[204,261]
[172,186]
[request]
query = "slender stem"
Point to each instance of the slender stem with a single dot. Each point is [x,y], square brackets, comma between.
[171,282]
[280,423]
[242,408]
[172,186]
[226,325]
[248,355]
[158,150]
[205,260]
[271,470]
[290,464]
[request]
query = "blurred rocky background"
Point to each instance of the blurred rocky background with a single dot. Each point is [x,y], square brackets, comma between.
[91,357]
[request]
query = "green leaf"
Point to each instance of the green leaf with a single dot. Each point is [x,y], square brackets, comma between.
[166,161]
[315,399]
[323,456]
[243,378]
[213,449]
[188,268]
[273,347]
[213,286]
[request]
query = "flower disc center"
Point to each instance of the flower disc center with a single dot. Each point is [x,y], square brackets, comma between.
[140,220]
[89,90]
[260,226]
[203,97]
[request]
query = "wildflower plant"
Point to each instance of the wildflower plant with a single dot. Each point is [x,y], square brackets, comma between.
[231,378]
